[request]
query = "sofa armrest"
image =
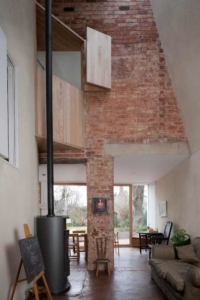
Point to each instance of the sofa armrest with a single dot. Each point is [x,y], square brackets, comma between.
[192,284]
[162,252]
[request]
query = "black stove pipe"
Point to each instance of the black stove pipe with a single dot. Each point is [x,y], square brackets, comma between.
[52,236]
[49,113]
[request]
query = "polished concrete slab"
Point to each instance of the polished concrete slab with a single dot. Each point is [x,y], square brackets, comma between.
[130,280]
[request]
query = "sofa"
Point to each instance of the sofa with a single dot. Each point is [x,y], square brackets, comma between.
[178,278]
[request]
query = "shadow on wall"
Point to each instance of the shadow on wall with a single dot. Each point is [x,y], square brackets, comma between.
[13,260]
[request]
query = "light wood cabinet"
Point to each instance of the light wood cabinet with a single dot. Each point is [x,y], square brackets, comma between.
[98,58]
[68,114]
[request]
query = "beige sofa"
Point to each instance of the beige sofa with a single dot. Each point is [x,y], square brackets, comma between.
[177,279]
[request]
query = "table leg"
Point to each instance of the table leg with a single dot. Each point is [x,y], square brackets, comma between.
[146,242]
[140,243]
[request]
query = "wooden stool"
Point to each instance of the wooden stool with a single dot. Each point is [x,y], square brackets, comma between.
[101,254]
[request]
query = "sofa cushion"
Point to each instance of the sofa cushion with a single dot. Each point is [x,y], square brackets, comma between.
[163,268]
[153,262]
[162,252]
[187,254]
[176,276]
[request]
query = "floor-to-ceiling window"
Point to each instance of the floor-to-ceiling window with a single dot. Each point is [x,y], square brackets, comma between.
[139,207]
[130,211]
[122,213]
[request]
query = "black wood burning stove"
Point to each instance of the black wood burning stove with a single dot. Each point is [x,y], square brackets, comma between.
[53,239]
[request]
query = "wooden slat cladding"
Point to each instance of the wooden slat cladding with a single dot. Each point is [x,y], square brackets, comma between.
[64,39]
[68,114]
[40,107]
[98,61]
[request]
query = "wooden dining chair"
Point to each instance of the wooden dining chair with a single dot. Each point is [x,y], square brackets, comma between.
[82,244]
[116,242]
[163,239]
[74,246]
[101,254]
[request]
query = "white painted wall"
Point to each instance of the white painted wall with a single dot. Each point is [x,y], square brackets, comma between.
[181,189]
[66,65]
[178,24]
[65,173]
[19,187]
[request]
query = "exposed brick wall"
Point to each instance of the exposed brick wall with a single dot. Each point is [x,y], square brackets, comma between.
[100,182]
[64,154]
[141,106]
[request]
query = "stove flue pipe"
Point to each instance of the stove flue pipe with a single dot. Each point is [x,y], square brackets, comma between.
[49,113]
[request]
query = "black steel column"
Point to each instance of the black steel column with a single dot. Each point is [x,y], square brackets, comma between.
[49,113]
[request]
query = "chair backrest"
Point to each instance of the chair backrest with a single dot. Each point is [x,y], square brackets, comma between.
[74,237]
[78,231]
[101,247]
[116,237]
[168,229]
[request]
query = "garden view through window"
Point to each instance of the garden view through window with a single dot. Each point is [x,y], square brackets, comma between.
[130,208]
[71,201]
[130,211]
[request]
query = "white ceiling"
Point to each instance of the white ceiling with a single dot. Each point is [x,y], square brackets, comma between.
[144,168]
[127,169]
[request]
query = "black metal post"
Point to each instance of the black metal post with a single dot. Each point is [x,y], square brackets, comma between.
[49,113]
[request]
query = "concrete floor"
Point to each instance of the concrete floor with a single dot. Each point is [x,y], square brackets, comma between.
[129,281]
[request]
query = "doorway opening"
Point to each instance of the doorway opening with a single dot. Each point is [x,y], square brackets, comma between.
[123,213]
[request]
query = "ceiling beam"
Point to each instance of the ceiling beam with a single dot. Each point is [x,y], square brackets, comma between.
[74,161]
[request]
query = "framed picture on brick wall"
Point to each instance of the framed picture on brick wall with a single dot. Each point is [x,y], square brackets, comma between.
[99,205]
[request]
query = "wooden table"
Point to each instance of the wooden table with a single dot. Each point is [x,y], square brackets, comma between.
[147,235]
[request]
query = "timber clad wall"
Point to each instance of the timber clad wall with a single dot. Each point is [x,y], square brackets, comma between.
[68,111]
[141,106]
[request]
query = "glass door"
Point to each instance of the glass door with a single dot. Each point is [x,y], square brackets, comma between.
[123,213]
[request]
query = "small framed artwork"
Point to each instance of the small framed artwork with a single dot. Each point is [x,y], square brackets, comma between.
[99,205]
[163,208]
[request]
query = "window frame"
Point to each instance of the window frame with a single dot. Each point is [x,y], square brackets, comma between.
[12,101]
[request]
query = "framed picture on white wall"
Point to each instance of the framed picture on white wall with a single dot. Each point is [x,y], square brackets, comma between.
[163,208]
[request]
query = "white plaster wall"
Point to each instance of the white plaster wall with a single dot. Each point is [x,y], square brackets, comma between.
[178,24]
[181,189]
[19,187]
[68,173]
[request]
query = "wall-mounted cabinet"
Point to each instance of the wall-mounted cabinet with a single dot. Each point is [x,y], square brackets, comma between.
[98,59]
[96,51]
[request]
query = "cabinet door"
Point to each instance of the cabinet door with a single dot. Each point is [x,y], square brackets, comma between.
[98,59]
